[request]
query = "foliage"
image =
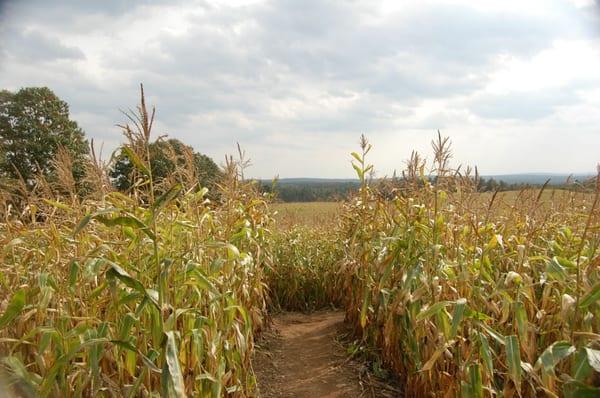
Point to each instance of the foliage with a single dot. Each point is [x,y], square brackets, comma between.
[166,158]
[34,126]
[310,191]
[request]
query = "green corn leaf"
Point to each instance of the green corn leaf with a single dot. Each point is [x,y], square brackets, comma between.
[359,172]
[356,156]
[128,346]
[580,368]
[443,323]
[577,389]
[115,271]
[434,309]
[593,357]
[14,308]
[486,353]
[457,316]
[135,160]
[127,221]
[88,217]
[166,197]
[73,272]
[552,355]
[500,339]
[522,322]
[82,224]
[513,358]
[591,297]
[134,389]
[475,381]
[555,270]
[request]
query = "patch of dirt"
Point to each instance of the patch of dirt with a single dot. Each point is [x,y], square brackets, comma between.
[301,358]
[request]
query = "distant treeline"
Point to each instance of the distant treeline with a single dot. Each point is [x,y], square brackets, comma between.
[321,190]
[311,191]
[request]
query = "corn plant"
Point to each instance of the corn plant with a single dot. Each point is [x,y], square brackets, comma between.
[304,273]
[149,293]
[473,295]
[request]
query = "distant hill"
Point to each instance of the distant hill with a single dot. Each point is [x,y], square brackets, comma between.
[538,178]
[317,181]
[520,178]
[330,189]
[312,189]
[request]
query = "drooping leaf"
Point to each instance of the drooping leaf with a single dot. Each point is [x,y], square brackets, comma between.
[593,357]
[172,362]
[553,354]
[433,309]
[457,316]
[166,197]
[431,361]
[513,359]
[555,270]
[135,160]
[486,353]
[522,322]
[88,217]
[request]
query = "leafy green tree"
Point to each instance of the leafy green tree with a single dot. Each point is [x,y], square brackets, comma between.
[34,124]
[165,157]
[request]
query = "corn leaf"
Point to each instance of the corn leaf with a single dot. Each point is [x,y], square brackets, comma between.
[172,362]
[513,358]
[14,308]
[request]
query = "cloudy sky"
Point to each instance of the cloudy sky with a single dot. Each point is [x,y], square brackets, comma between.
[515,84]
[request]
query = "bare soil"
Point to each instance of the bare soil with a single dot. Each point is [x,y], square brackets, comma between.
[301,357]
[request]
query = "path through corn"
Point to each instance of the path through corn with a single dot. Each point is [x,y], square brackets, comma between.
[301,358]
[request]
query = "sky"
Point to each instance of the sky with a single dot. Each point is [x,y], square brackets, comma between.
[514,84]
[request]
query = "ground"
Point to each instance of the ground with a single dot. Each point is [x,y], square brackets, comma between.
[301,358]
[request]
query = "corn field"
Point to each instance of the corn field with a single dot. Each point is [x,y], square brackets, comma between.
[463,295]
[163,290]
[156,293]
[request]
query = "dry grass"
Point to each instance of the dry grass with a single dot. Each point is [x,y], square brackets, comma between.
[309,214]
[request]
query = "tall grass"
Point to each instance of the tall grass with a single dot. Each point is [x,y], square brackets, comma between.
[464,295]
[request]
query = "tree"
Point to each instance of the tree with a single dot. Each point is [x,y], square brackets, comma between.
[34,125]
[166,156]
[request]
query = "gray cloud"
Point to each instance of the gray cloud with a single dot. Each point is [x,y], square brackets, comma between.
[35,46]
[306,72]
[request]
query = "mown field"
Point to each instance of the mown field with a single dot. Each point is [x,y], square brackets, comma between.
[310,214]
[162,290]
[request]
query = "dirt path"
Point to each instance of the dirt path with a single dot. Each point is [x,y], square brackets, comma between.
[301,358]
